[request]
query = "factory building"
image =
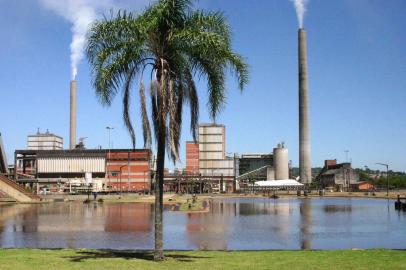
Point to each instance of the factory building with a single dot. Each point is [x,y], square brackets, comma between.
[246,163]
[212,151]
[111,170]
[44,141]
[128,170]
[337,176]
[260,167]
[192,158]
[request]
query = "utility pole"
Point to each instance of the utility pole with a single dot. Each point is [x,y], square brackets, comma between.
[108,155]
[121,189]
[387,177]
[128,171]
[346,155]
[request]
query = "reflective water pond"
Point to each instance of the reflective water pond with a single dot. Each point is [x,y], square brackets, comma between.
[233,224]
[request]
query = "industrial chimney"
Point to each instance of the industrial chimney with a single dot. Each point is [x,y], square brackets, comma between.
[305,169]
[72,138]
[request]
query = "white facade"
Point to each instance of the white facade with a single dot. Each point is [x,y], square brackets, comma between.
[44,141]
[71,165]
[212,157]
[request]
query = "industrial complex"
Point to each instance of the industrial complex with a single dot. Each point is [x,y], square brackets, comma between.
[46,167]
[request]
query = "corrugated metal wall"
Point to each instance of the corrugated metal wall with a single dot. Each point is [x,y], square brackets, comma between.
[71,164]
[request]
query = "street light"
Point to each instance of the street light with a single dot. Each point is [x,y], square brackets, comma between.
[387,177]
[108,155]
[121,191]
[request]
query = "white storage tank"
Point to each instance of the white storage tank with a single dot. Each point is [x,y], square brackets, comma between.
[281,162]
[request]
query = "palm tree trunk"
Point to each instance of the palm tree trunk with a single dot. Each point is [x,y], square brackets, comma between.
[159,188]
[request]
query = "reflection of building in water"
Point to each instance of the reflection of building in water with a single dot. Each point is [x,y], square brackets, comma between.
[281,210]
[12,211]
[72,217]
[208,231]
[268,207]
[305,223]
[122,217]
[330,209]
[47,224]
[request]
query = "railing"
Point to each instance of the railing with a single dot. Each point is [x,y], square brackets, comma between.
[18,187]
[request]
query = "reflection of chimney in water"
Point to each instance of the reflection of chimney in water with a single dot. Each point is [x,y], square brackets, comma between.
[72,130]
[305,224]
[305,170]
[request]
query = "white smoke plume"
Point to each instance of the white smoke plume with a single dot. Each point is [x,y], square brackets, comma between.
[81,13]
[300,6]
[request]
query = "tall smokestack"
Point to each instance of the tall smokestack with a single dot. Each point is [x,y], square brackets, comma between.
[305,168]
[72,139]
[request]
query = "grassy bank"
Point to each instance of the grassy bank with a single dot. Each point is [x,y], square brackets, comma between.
[25,259]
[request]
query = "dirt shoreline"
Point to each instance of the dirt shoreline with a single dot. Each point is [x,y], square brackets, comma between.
[173,199]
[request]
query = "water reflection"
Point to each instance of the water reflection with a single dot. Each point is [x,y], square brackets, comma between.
[266,207]
[337,208]
[129,218]
[209,231]
[325,223]
[305,224]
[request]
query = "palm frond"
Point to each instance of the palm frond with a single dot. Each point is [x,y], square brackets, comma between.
[126,105]
[146,128]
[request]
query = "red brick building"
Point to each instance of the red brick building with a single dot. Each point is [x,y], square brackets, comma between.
[192,158]
[128,170]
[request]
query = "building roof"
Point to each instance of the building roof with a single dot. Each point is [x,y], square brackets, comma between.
[46,134]
[76,152]
[256,155]
[211,125]
[279,183]
[332,172]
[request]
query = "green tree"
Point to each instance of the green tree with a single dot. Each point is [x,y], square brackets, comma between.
[174,44]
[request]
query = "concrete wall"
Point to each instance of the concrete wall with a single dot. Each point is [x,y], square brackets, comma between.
[14,193]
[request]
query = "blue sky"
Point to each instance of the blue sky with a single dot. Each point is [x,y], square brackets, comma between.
[357,80]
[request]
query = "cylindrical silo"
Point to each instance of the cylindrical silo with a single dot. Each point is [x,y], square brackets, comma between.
[281,163]
[72,131]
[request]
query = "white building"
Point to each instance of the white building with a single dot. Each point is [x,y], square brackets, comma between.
[44,141]
[212,151]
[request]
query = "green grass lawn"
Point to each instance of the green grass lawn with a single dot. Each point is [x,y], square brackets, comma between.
[198,205]
[16,259]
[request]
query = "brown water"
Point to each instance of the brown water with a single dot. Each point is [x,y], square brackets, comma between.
[233,224]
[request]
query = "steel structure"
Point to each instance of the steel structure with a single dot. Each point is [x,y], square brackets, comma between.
[3,158]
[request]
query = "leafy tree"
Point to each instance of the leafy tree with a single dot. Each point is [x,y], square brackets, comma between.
[175,44]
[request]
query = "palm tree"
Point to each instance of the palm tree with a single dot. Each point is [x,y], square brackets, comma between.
[172,44]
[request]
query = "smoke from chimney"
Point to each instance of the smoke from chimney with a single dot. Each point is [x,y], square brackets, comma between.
[81,13]
[300,7]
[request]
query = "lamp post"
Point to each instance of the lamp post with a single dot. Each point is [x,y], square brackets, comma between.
[387,177]
[121,191]
[108,155]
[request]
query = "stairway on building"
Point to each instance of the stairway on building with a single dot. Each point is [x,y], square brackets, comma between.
[12,190]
